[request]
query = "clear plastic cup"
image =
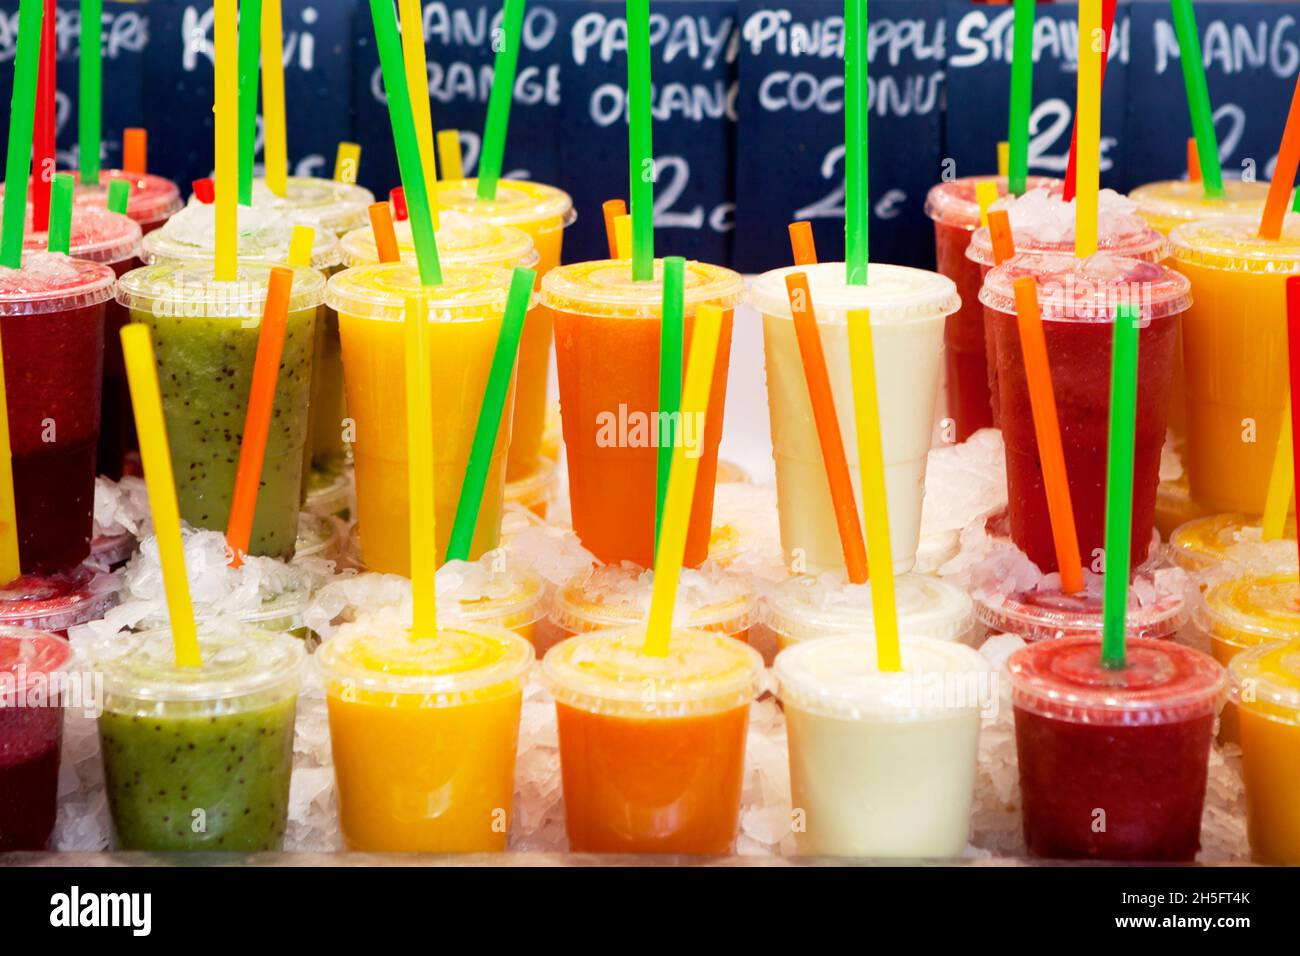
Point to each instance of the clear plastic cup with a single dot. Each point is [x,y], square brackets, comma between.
[908,310]
[493,592]
[424,732]
[283,612]
[462,241]
[1265,686]
[465,315]
[1234,355]
[152,200]
[205,336]
[652,749]
[52,314]
[1247,609]
[199,758]
[1113,763]
[1078,299]
[807,608]
[1168,203]
[882,764]
[31,735]
[1048,614]
[326,204]
[264,236]
[607,330]
[534,489]
[57,601]
[1203,543]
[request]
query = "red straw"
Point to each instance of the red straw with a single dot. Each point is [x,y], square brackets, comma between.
[1107,24]
[613,210]
[802,244]
[135,151]
[257,423]
[1288,159]
[1004,246]
[205,191]
[381,224]
[1293,349]
[828,427]
[1193,161]
[398,198]
[44,129]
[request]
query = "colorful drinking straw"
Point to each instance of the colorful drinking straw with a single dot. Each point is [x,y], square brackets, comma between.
[449,155]
[1072,163]
[670,376]
[275,148]
[1088,123]
[1293,355]
[612,209]
[135,151]
[1022,96]
[347,162]
[90,94]
[420,473]
[1198,96]
[416,64]
[641,171]
[22,116]
[59,237]
[43,128]
[250,40]
[1119,484]
[857,209]
[500,98]
[802,245]
[1288,160]
[226,124]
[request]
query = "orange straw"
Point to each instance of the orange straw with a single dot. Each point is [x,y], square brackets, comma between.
[801,243]
[257,423]
[135,151]
[1193,161]
[1047,429]
[613,209]
[1004,246]
[1288,159]
[381,224]
[828,427]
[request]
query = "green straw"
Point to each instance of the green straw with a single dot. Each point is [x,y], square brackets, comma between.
[408,152]
[499,100]
[489,416]
[22,117]
[1022,96]
[1119,485]
[670,376]
[90,94]
[119,195]
[59,238]
[250,46]
[1198,97]
[856,205]
[640,151]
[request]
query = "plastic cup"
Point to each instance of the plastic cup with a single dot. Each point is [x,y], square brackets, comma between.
[205,338]
[318,537]
[492,593]
[652,749]
[52,314]
[465,315]
[807,608]
[264,236]
[1203,543]
[152,201]
[607,330]
[908,311]
[1234,355]
[535,489]
[281,612]
[953,207]
[1113,763]
[108,552]
[329,490]
[543,212]
[57,601]
[424,732]
[882,764]
[1265,686]
[31,735]
[1047,614]
[199,758]
[1168,203]
[1078,299]
[1174,504]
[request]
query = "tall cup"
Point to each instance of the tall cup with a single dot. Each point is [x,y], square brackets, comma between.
[1077,300]
[152,200]
[1234,355]
[908,310]
[205,336]
[465,314]
[607,331]
[52,324]
[543,212]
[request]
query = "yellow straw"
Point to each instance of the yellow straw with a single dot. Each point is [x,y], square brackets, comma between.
[142,377]
[1280,481]
[681,481]
[449,155]
[419,454]
[1092,40]
[226,108]
[346,162]
[276,149]
[986,194]
[1004,159]
[871,459]
[10,566]
[623,236]
[301,245]
[417,83]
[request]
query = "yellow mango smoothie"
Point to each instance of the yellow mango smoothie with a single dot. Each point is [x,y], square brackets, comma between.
[1169,203]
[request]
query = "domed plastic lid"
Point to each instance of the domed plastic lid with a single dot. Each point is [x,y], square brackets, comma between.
[1162,683]
[1233,243]
[813,607]
[1251,609]
[954,203]
[892,293]
[461,663]
[28,656]
[1089,290]
[481,592]
[239,664]
[1049,614]
[324,203]
[58,601]
[606,287]
[53,282]
[613,596]
[188,289]
[152,198]
[1202,542]
[264,236]
[518,202]
[462,241]
[97,235]
[606,672]
[838,677]
[381,291]
[1267,679]
[1178,200]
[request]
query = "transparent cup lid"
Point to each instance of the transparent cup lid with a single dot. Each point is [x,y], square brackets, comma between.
[1162,683]
[151,199]
[1090,289]
[58,601]
[462,241]
[97,235]
[327,204]
[52,282]
[381,292]
[518,202]
[537,486]
[29,655]
[1232,243]
[813,607]
[188,289]
[264,235]
[892,293]
[1251,609]
[1049,614]
[839,677]
[606,672]
[613,596]
[1266,679]
[483,592]
[606,287]
[1203,542]
[1182,201]
[955,204]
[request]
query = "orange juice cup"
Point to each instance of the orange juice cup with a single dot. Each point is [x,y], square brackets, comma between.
[652,749]
[607,350]
[424,732]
